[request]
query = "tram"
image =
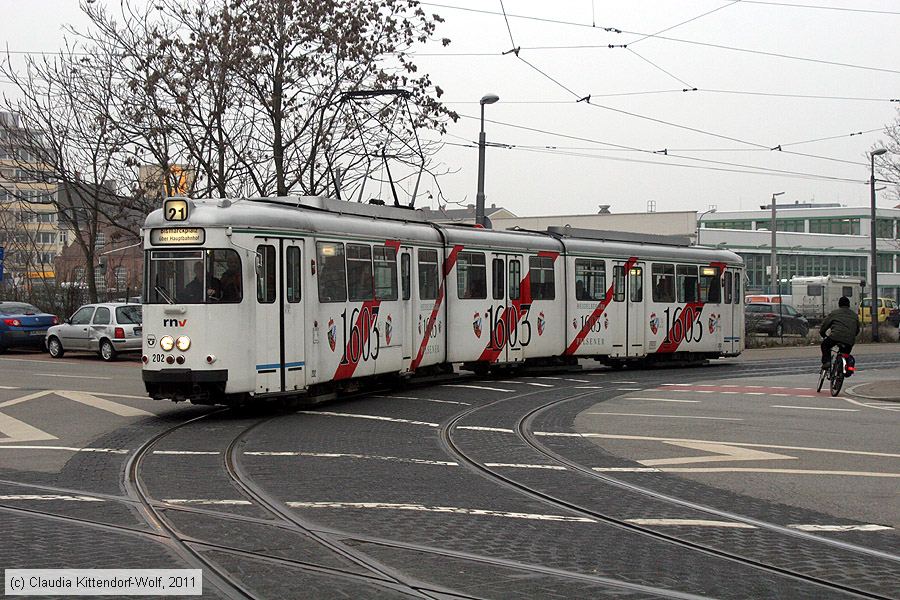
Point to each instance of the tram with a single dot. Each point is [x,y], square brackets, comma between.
[253,298]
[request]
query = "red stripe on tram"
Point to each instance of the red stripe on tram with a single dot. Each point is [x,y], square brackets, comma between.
[449,262]
[597,312]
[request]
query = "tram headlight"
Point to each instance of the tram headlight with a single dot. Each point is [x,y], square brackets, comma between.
[183,342]
[167,342]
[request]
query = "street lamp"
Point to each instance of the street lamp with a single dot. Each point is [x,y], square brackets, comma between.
[479,197]
[774,258]
[700,218]
[873,256]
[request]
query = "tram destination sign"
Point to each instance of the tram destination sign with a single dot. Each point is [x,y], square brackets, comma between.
[177,236]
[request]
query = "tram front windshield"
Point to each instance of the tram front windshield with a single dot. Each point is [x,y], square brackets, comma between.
[193,277]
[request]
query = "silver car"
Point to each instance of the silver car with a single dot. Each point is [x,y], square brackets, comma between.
[107,328]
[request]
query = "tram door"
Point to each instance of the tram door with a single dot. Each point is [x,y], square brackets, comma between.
[637,318]
[268,318]
[293,313]
[408,324]
[506,298]
[733,328]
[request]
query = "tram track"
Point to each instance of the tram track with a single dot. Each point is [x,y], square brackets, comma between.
[553,499]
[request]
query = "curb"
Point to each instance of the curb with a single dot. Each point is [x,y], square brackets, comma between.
[852,391]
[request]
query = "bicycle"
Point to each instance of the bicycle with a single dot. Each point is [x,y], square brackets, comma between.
[834,373]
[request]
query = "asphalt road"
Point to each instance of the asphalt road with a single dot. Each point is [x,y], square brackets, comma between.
[634,483]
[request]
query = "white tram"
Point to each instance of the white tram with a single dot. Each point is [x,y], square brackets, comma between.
[255,298]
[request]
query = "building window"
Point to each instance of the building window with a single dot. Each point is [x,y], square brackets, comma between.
[728,224]
[884,228]
[885,263]
[100,241]
[121,278]
[99,280]
[839,226]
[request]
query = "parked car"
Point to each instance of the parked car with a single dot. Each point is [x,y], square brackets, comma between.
[23,325]
[774,319]
[887,311]
[107,328]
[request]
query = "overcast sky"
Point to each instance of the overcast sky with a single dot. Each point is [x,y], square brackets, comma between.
[592,153]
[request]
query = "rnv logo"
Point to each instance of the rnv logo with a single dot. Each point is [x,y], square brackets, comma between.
[174,323]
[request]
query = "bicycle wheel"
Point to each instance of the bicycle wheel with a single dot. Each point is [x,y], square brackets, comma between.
[837,377]
[822,374]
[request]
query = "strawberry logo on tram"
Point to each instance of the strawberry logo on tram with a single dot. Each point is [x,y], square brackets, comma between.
[713,322]
[574,324]
[388,330]
[476,324]
[654,323]
[605,321]
[540,323]
[332,334]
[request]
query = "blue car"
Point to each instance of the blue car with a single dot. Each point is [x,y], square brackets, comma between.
[23,326]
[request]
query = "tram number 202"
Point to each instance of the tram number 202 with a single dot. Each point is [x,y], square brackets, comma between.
[683,325]
[359,330]
[504,323]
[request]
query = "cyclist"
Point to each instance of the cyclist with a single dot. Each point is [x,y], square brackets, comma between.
[844,326]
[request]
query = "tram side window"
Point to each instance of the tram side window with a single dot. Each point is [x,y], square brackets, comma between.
[223,276]
[293,274]
[590,279]
[663,282]
[728,288]
[359,272]
[265,277]
[428,274]
[543,284]
[405,275]
[515,279]
[497,268]
[687,283]
[471,276]
[710,285]
[619,283]
[332,272]
[385,273]
[636,284]
[737,288]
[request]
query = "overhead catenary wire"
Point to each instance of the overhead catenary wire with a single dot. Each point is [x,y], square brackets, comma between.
[670,28]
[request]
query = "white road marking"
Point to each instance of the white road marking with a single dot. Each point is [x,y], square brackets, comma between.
[720,453]
[71,376]
[16,431]
[67,449]
[753,393]
[744,470]
[187,452]
[815,408]
[687,384]
[476,387]
[417,461]
[629,389]
[442,509]
[867,527]
[662,399]
[8,387]
[522,466]
[534,383]
[477,428]
[43,362]
[691,523]
[51,497]
[206,501]
[371,417]
[577,380]
[25,398]
[115,408]
[588,387]
[422,399]
[553,378]
[886,406]
[623,381]
[611,436]
[614,414]
[120,395]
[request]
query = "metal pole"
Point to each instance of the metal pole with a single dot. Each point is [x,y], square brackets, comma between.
[479,197]
[873,256]
[774,258]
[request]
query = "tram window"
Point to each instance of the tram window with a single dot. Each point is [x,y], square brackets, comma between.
[687,283]
[405,275]
[728,288]
[710,286]
[265,277]
[223,276]
[636,284]
[428,274]
[664,282]
[293,274]
[497,269]
[471,276]
[332,272]
[385,273]
[619,283]
[737,288]
[359,273]
[543,284]
[170,273]
[590,279]
[515,279]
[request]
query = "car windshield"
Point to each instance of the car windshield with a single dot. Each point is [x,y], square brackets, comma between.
[18,309]
[128,315]
[193,276]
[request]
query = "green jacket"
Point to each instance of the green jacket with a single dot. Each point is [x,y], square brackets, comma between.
[844,325]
